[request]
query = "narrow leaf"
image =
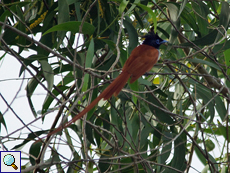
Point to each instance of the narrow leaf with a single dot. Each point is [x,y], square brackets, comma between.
[72,26]
[34,151]
[30,60]
[205,40]
[206,95]
[174,11]
[211,64]
[182,7]
[30,137]
[122,6]
[220,107]
[150,11]
[48,73]
[133,36]
[63,16]
[179,161]
[31,86]
[88,63]
[132,7]
[2,121]
[227,60]
[133,42]
[224,19]
[203,158]
[21,27]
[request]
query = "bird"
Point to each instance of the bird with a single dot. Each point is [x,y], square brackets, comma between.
[140,61]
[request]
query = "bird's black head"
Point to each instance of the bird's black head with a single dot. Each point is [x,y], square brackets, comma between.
[153,39]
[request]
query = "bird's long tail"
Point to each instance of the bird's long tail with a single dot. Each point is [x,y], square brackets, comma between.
[114,88]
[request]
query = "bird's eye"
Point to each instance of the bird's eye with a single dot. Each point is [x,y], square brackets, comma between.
[158,41]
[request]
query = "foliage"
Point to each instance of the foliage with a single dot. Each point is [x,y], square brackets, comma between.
[156,124]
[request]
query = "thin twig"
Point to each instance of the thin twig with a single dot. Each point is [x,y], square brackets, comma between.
[117,44]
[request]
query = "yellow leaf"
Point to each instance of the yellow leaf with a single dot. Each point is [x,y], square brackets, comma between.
[156,81]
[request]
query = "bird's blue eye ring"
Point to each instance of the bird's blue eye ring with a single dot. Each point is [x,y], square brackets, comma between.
[158,41]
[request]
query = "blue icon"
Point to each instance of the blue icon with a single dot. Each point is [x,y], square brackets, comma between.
[9,160]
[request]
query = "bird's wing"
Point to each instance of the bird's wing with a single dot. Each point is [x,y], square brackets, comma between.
[140,61]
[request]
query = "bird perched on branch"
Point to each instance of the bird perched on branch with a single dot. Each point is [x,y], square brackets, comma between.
[141,60]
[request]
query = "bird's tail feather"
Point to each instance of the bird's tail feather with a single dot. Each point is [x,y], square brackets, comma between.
[78,116]
[114,88]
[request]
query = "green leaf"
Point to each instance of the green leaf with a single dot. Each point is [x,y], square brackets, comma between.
[160,114]
[21,27]
[211,64]
[89,131]
[110,43]
[62,85]
[133,42]
[174,12]
[225,14]
[190,20]
[48,73]
[201,16]
[133,36]
[144,82]
[122,6]
[30,137]
[72,26]
[224,19]
[69,2]
[8,13]
[90,54]
[205,40]
[209,145]
[131,9]
[104,162]
[166,150]
[145,132]
[53,159]
[222,131]
[72,165]
[2,121]
[138,18]
[63,16]
[50,99]
[30,100]
[116,121]
[30,60]
[179,161]
[48,21]
[221,47]
[205,94]
[88,63]
[135,122]
[203,159]
[34,151]
[150,11]
[227,60]
[31,86]
[78,9]
[220,107]
[183,5]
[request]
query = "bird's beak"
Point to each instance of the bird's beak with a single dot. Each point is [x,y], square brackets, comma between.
[164,41]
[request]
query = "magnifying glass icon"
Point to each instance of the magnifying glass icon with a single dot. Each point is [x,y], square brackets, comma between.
[9,160]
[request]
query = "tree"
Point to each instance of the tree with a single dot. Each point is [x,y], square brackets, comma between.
[156,124]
